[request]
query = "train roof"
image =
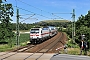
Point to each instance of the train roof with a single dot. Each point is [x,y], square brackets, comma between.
[43,27]
[50,26]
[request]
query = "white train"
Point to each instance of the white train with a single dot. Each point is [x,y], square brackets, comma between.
[38,35]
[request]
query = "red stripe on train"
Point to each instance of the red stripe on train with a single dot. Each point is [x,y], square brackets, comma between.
[41,34]
[34,34]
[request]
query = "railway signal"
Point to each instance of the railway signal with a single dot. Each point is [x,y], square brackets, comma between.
[83,37]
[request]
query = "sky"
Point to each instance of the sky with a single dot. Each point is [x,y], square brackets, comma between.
[32,11]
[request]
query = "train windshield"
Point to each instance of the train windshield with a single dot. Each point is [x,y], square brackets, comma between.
[34,31]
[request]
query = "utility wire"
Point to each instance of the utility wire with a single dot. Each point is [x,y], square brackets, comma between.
[16,3]
[40,9]
[33,12]
[27,18]
[62,13]
[26,14]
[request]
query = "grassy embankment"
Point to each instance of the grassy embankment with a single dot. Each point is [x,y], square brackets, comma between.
[23,38]
[73,49]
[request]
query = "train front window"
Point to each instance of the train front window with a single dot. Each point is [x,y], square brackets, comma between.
[34,31]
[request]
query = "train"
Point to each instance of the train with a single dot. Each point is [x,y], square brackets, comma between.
[40,34]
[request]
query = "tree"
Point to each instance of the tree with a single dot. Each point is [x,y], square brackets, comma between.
[6,11]
[83,27]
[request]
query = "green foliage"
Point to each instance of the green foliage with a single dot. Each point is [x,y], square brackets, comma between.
[71,44]
[2,1]
[83,27]
[4,48]
[23,38]
[73,52]
[69,29]
[6,11]
[25,26]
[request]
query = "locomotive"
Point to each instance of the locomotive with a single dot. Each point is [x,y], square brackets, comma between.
[38,35]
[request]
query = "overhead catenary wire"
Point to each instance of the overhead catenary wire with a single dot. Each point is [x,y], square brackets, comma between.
[16,3]
[41,9]
[32,12]
[25,14]
[62,13]
[36,13]
[28,18]
[58,17]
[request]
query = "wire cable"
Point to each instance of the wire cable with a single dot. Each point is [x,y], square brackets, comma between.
[33,12]
[40,9]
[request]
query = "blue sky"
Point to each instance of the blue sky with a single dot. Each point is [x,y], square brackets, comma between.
[43,9]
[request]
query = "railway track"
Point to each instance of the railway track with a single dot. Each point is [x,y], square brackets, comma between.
[16,51]
[46,48]
[40,48]
[22,49]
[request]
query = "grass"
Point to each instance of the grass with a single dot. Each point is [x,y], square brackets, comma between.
[73,51]
[23,31]
[24,38]
[12,43]
[4,48]
[73,48]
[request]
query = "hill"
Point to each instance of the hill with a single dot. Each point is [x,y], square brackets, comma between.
[49,21]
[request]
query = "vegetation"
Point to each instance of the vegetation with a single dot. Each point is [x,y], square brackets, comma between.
[23,38]
[82,27]
[6,11]
[73,51]
[4,48]
[25,26]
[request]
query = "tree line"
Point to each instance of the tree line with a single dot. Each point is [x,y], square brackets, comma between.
[6,11]
[82,27]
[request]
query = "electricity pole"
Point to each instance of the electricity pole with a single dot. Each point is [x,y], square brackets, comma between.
[73,26]
[73,23]
[0,11]
[17,28]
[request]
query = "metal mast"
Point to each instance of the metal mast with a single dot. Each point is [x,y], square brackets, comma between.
[17,27]
[73,26]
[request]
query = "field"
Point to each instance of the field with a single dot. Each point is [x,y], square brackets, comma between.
[12,43]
